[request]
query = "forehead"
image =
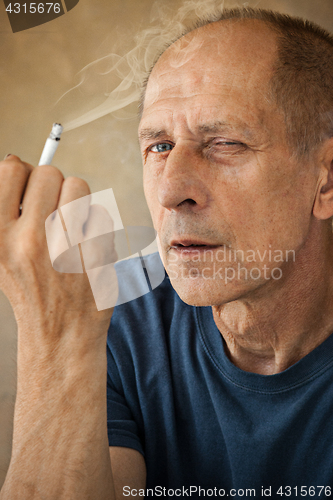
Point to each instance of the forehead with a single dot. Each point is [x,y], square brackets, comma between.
[222,65]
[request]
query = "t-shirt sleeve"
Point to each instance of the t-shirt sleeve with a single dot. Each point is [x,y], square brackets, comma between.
[122,428]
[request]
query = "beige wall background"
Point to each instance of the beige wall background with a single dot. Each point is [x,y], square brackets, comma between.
[37,66]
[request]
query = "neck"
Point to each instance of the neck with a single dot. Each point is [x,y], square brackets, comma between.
[279,323]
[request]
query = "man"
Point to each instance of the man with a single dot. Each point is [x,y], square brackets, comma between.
[220,378]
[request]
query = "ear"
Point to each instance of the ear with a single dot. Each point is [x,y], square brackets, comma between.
[323,203]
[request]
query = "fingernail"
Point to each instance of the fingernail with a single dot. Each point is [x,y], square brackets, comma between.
[9,154]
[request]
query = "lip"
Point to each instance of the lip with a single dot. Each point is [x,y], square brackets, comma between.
[186,242]
[182,247]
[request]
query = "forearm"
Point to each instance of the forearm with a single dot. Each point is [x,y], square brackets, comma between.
[60,446]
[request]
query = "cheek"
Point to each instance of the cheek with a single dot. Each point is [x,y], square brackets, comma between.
[148,187]
[261,207]
[237,197]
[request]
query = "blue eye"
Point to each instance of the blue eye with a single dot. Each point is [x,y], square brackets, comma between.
[162,147]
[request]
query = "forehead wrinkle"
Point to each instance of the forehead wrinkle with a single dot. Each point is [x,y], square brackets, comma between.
[252,43]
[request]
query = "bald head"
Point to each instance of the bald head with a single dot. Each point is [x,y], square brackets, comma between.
[297,56]
[245,51]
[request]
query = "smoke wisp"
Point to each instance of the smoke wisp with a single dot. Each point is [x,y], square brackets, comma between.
[125,74]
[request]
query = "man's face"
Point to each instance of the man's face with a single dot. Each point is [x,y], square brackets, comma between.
[217,169]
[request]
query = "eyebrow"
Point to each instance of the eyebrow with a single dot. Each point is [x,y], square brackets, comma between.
[151,133]
[206,128]
[219,126]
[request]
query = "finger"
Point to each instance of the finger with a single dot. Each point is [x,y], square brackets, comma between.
[42,193]
[74,206]
[98,246]
[14,175]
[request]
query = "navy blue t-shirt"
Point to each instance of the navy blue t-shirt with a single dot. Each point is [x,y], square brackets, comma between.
[174,396]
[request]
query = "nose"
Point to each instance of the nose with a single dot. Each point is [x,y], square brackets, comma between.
[182,180]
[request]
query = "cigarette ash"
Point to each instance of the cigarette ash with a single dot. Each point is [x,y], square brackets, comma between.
[56,132]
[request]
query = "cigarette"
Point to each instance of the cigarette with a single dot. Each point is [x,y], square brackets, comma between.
[51,145]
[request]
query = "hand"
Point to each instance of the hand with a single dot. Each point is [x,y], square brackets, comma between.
[60,447]
[45,302]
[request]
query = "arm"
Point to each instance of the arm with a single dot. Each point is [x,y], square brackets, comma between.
[60,447]
[128,469]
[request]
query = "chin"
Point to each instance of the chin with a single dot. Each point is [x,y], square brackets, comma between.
[202,292]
